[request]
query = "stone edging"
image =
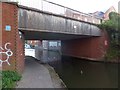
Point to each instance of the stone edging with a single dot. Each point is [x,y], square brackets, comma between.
[57,82]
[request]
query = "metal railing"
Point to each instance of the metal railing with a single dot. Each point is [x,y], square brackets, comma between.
[54,8]
[68,12]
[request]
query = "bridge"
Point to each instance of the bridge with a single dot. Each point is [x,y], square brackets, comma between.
[65,24]
[80,37]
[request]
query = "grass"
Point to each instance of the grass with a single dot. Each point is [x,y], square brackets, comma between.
[9,79]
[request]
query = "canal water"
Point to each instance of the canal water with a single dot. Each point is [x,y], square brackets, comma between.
[80,73]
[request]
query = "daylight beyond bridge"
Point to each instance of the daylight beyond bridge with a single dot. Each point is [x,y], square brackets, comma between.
[37,24]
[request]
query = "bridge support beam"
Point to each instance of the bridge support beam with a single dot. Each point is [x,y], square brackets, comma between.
[11,45]
[92,48]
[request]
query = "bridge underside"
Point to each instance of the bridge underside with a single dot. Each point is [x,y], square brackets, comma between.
[81,46]
[37,35]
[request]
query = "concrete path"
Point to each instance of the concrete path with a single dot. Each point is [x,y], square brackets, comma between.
[35,76]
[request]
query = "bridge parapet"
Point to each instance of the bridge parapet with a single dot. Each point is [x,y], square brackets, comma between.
[68,12]
[54,8]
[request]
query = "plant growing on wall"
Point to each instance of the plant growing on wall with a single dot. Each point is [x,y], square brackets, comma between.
[112,26]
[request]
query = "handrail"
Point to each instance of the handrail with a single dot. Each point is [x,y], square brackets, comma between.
[71,9]
[74,13]
[54,8]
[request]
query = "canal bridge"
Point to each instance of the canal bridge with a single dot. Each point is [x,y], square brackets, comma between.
[80,37]
[70,24]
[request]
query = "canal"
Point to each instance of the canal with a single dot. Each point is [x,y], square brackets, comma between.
[80,73]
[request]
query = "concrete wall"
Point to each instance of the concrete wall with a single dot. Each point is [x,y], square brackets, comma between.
[14,53]
[92,48]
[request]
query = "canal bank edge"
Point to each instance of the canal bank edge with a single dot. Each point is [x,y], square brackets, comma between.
[57,82]
[103,60]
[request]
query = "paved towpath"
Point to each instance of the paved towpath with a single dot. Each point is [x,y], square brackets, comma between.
[35,76]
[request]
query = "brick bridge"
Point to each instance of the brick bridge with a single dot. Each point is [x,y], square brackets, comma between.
[79,35]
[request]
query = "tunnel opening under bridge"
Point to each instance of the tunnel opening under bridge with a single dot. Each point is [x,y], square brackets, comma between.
[86,47]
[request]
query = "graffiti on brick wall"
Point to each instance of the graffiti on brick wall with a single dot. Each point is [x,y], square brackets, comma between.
[5,52]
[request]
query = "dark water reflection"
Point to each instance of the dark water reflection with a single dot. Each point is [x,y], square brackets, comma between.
[79,73]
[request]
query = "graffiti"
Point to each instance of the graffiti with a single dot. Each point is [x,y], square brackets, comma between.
[7,52]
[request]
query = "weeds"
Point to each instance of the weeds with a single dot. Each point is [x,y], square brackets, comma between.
[9,78]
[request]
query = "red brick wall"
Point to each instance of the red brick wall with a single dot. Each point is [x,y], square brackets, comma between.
[34,42]
[92,48]
[106,15]
[20,54]
[10,17]
[0,29]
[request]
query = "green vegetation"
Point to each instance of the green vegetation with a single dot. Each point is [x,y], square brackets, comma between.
[112,26]
[9,78]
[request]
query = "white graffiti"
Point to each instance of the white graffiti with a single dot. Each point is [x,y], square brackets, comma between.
[7,52]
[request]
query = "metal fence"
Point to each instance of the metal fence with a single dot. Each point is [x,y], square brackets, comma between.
[54,8]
